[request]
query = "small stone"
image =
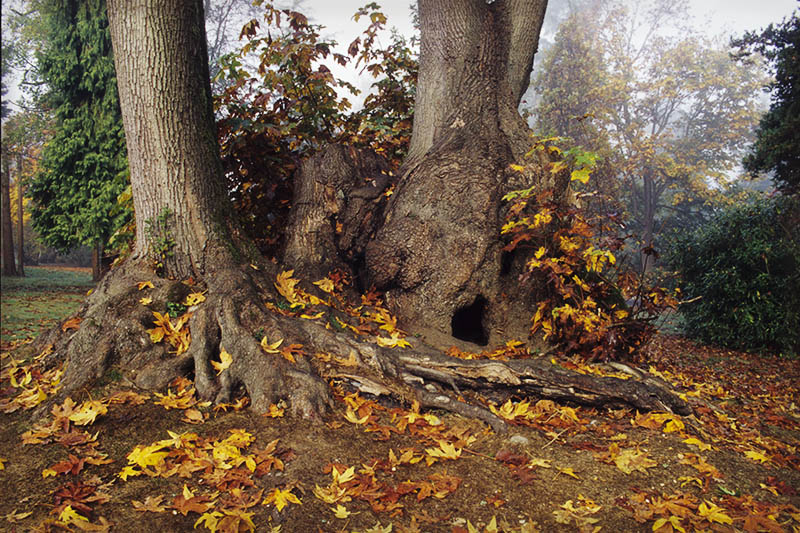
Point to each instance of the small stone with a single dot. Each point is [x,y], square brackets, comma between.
[519,439]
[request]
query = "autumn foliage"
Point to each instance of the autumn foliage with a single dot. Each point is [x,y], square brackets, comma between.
[273,115]
[593,307]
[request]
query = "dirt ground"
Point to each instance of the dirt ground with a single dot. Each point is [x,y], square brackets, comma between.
[732,466]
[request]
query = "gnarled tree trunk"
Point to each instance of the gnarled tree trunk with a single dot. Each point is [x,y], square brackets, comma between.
[438,253]
[433,244]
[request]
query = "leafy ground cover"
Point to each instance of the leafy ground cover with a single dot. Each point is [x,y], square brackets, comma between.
[40,299]
[123,460]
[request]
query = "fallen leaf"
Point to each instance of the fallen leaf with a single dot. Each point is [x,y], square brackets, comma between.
[225,361]
[281,498]
[145,284]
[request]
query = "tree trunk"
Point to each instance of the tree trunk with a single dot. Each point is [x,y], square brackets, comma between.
[9,266]
[185,223]
[97,261]
[20,220]
[438,253]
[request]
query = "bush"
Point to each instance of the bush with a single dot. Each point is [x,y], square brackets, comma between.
[740,274]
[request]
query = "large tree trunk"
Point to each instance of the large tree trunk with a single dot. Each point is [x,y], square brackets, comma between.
[438,253]
[196,244]
[9,267]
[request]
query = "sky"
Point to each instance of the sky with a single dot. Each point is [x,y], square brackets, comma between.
[715,17]
[712,17]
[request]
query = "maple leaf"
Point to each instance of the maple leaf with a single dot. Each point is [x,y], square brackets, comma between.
[275,411]
[225,361]
[673,523]
[151,504]
[193,416]
[341,512]
[88,412]
[194,299]
[209,520]
[700,444]
[281,498]
[756,456]
[145,456]
[629,460]
[286,286]
[69,515]
[72,323]
[145,284]
[187,502]
[445,450]
[326,285]
[394,340]
[567,472]
[713,513]
[145,300]
[271,348]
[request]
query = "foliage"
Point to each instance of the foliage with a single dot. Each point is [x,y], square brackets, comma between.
[777,146]
[593,307]
[675,108]
[83,167]
[740,273]
[275,114]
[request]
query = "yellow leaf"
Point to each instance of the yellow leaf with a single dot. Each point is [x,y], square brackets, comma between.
[344,477]
[351,417]
[275,411]
[340,511]
[568,472]
[146,300]
[446,450]
[145,284]
[210,520]
[194,299]
[325,285]
[673,521]
[88,412]
[518,168]
[393,341]
[225,361]
[712,513]
[271,348]
[48,472]
[68,514]
[700,444]
[756,456]
[3,463]
[281,498]
[581,175]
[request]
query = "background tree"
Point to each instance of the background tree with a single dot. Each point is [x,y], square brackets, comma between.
[676,110]
[9,265]
[777,146]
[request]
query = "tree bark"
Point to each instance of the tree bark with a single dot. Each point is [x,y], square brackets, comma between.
[9,266]
[20,220]
[173,154]
[438,253]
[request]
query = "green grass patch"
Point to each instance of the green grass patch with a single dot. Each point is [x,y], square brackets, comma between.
[40,300]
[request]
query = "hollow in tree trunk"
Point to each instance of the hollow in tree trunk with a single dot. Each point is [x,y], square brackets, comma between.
[187,231]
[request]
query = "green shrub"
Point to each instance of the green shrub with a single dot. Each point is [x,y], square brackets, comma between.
[740,273]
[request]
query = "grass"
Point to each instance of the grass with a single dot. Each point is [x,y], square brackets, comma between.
[39,300]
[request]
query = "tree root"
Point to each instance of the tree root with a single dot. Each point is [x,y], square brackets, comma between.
[233,318]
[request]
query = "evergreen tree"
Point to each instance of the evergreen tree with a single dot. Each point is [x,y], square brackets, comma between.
[84,166]
[777,147]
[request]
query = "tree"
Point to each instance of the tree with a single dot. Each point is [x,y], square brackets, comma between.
[676,110]
[9,266]
[777,145]
[185,225]
[83,168]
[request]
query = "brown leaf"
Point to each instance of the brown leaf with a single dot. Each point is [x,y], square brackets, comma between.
[151,504]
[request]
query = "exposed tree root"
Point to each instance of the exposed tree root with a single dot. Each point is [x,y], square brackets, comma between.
[114,333]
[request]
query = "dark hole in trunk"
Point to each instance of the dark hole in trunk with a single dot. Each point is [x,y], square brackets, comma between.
[467,323]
